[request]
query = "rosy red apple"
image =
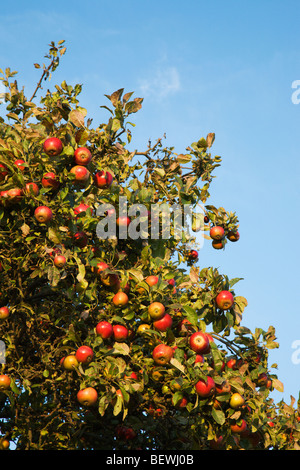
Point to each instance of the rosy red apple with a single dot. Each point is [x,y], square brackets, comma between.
[20,164]
[80,239]
[123,221]
[120,299]
[104,329]
[156,310]
[84,354]
[3,172]
[103,179]
[87,396]
[164,323]
[32,188]
[4,382]
[14,195]
[199,342]
[151,280]
[233,236]
[217,232]
[43,214]
[4,313]
[53,146]
[205,388]
[82,156]
[81,173]
[81,208]
[239,427]
[162,354]
[120,333]
[50,180]
[217,244]
[224,300]
[193,255]
[59,261]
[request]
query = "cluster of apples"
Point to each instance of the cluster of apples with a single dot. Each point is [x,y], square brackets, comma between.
[217,234]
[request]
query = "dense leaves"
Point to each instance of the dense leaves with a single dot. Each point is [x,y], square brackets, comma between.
[55,307]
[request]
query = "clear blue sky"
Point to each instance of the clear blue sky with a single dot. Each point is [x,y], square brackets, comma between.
[223,67]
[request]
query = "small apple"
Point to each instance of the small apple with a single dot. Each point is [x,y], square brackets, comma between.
[217,244]
[14,195]
[205,388]
[199,342]
[32,189]
[82,156]
[70,362]
[103,179]
[233,236]
[162,354]
[104,329]
[4,382]
[43,214]
[4,444]
[4,313]
[81,173]
[151,280]
[87,396]
[3,172]
[20,164]
[120,333]
[193,255]
[123,221]
[224,300]
[50,180]
[216,232]
[120,299]
[59,261]
[84,354]
[223,388]
[156,310]
[199,359]
[81,208]
[239,427]
[232,364]
[53,146]
[101,266]
[164,323]
[236,401]
[80,239]
[143,327]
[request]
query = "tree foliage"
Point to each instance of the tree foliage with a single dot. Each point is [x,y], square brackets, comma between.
[55,310]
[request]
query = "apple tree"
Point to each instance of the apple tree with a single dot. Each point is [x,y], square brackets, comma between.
[120,341]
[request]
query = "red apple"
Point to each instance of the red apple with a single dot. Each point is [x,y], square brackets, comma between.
[104,329]
[164,323]
[3,172]
[101,266]
[199,342]
[239,427]
[103,179]
[217,244]
[151,280]
[205,388]
[84,354]
[59,261]
[87,396]
[224,300]
[81,208]
[81,173]
[123,221]
[14,195]
[20,164]
[4,382]
[50,180]
[217,232]
[162,354]
[120,299]
[32,188]
[156,310]
[193,254]
[53,146]
[43,214]
[82,156]
[199,358]
[4,313]
[120,333]
[80,239]
[233,236]
[232,364]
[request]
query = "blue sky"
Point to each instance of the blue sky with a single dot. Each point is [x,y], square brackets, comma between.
[201,67]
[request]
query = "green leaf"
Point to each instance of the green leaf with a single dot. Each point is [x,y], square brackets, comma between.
[218,416]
